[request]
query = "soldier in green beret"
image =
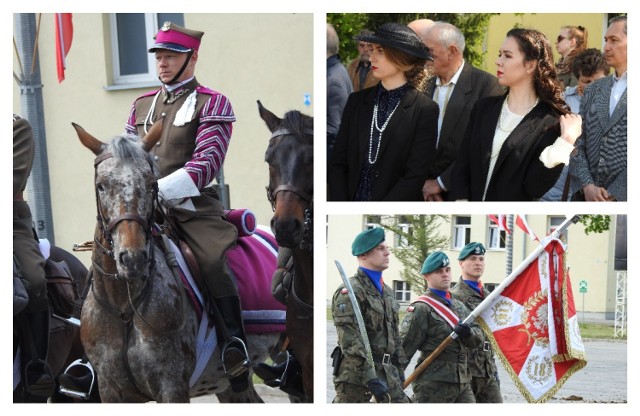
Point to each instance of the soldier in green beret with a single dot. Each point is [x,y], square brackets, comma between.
[355,379]
[430,319]
[469,290]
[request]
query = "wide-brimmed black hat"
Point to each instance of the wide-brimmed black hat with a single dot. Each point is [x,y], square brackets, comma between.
[398,36]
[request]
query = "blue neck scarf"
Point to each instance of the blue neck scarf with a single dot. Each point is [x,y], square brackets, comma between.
[477,286]
[444,294]
[375,277]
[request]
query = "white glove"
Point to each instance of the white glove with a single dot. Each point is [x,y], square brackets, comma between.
[176,190]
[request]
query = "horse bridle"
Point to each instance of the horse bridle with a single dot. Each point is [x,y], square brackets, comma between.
[107,228]
[306,242]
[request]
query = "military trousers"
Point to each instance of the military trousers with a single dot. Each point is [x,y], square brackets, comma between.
[486,389]
[359,393]
[443,392]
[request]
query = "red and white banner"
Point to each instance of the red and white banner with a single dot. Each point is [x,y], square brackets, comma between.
[524,226]
[533,326]
[501,221]
[64,35]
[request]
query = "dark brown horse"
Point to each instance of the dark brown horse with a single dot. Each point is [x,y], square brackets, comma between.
[64,339]
[290,191]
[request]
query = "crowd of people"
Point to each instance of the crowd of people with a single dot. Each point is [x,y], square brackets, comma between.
[412,120]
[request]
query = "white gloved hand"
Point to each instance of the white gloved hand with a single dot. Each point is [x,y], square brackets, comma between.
[176,190]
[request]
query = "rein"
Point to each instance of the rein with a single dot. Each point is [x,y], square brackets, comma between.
[127,314]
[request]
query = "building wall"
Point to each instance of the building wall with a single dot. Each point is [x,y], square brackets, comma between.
[589,257]
[242,56]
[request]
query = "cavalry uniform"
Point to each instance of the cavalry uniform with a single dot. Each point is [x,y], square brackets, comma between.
[380,315]
[196,133]
[482,364]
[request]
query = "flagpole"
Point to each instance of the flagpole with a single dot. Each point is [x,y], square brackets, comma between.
[512,276]
[487,301]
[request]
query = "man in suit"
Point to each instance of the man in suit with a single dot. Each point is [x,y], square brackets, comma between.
[598,168]
[455,86]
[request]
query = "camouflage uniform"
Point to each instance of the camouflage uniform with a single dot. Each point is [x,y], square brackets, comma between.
[447,379]
[380,315]
[482,364]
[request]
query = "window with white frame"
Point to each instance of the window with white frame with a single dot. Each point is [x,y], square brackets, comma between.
[372,221]
[497,238]
[401,291]
[461,231]
[131,37]
[405,227]
[554,222]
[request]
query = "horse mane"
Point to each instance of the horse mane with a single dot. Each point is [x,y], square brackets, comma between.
[128,149]
[296,123]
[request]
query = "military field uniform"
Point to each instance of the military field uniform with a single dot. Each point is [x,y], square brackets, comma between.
[448,378]
[380,315]
[482,364]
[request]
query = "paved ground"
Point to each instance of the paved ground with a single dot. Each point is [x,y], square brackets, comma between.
[603,380]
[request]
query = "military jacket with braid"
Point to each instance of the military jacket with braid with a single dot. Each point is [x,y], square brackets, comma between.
[380,315]
[424,329]
[481,359]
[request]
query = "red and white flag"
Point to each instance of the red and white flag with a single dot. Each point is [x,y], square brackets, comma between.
[501,221]
[533,326]
[524,226]
[64,35]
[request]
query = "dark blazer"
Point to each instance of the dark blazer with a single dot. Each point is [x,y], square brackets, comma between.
[601,151]
[472,85]
[406,151]
[518,175]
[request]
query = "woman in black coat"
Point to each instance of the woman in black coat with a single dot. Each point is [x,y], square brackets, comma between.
[516,145]
[388,132]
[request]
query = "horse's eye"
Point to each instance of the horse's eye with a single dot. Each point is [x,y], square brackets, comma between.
[100,187]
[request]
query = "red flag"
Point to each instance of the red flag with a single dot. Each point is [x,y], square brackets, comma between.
[64,34]
[524,225]
[501,222]
[533,326]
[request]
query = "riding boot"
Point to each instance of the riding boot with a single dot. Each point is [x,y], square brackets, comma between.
[39,383]
[285,374]
[232,338]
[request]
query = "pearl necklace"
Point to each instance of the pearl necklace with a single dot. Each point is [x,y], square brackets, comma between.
[374,123]
[508,121]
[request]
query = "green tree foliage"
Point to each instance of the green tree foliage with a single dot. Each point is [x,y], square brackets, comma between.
[473,26]
[595,223]
[419,237]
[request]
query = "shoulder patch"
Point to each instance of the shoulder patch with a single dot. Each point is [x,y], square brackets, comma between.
[344,290]
[411,308]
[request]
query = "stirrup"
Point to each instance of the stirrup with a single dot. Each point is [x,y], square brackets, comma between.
[76,386]
[271,373]
[243,364]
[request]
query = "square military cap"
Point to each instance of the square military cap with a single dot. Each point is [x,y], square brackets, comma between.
[367,240]
[471,249]
[177,38]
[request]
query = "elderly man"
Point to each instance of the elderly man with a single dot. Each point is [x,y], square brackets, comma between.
[360,68]
[197,132]
[355,378]
[455,86]
[428,322]
[598,168]
[469,290]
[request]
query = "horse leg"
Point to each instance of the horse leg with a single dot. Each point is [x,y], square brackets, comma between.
[250,395]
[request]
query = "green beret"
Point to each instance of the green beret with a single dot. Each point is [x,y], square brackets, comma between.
[434,262]
[367,240]
[471,249]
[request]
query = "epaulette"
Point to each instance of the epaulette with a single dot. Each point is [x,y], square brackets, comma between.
[411,309]
[344,291]
[201,89]
[147,94]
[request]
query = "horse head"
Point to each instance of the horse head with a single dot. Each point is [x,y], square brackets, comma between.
[126,196]
[290,189]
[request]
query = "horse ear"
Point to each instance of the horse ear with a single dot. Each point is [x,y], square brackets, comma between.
[88,140]
[154,134]
[271,119]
